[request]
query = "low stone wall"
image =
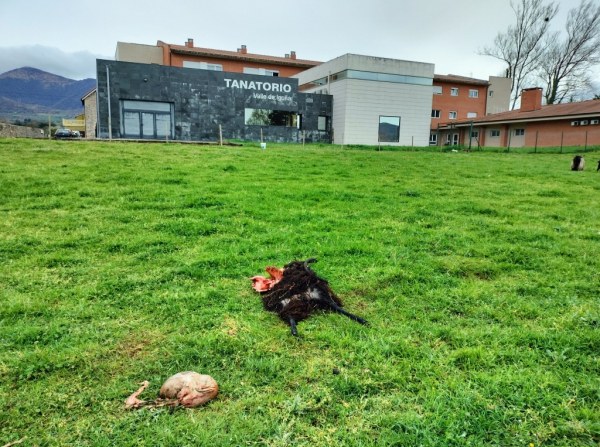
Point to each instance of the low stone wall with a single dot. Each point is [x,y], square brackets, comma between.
[12,131]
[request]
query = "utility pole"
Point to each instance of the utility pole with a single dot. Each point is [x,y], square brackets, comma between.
[109,108]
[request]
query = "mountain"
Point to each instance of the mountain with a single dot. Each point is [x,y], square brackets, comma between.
[28,92]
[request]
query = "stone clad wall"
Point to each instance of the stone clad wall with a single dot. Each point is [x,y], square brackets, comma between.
[205,102]
[12,131]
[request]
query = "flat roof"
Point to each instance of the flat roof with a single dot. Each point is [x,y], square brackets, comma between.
[459,79]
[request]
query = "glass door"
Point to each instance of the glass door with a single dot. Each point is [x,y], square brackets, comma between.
[163,125]
[131,123]
[147,119]
[148,130]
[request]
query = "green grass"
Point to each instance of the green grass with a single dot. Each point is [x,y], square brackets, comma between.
[479,274]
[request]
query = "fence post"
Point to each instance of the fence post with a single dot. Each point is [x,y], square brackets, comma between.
[585,147]
[536,141]
[220,135]
[561,141]
[470,135]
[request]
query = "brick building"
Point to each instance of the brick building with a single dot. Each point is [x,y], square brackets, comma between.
[457,98]
[189,56]
[535,125]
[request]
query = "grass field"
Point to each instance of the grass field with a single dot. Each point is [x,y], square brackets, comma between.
[478,272]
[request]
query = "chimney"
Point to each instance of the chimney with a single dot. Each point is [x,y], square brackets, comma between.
[531,99]
[243,50]
[287,55]
[293,55]
[190,43]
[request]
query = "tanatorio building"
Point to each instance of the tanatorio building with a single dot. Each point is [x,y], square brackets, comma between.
[151,101]
[196,94]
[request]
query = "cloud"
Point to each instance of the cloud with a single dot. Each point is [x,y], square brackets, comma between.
[78,65]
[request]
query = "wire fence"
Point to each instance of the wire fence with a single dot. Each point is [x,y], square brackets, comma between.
[542,141]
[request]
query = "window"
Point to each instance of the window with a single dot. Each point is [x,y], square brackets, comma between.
[322,123]
[519,132]
[437,89]
[471,114]
[491,93]
[131,123]
[146,119]
[433,139]
[380,77]
[454,91]
[389,129]
[316,83]
[435,113]
[202,65]
[583,123]
[260,71]
[475,134]
[452,115]
[494,133]
[473,93]
[266,117]
[594,122]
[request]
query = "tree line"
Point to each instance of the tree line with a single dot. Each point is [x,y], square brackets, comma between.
[560,62]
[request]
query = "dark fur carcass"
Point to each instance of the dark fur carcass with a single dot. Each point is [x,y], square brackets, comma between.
[296,292]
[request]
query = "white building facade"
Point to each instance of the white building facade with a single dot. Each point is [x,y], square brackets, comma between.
[375,100]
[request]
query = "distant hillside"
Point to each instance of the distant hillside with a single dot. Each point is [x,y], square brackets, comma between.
[28,92]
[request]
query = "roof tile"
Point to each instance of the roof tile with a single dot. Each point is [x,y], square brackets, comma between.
[236,55]
[553,111]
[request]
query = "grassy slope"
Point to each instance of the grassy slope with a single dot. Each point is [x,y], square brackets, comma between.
[478,272]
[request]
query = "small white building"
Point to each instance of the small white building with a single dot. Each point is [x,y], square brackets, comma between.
[375,100]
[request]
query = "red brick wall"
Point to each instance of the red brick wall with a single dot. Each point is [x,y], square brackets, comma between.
[235,66]
[541,134]
[461,104]
[531,99]
[552,133]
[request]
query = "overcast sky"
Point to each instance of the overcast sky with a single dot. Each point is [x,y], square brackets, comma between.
[65,37]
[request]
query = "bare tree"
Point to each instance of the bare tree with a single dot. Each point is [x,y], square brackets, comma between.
[565,67]
[522,46]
